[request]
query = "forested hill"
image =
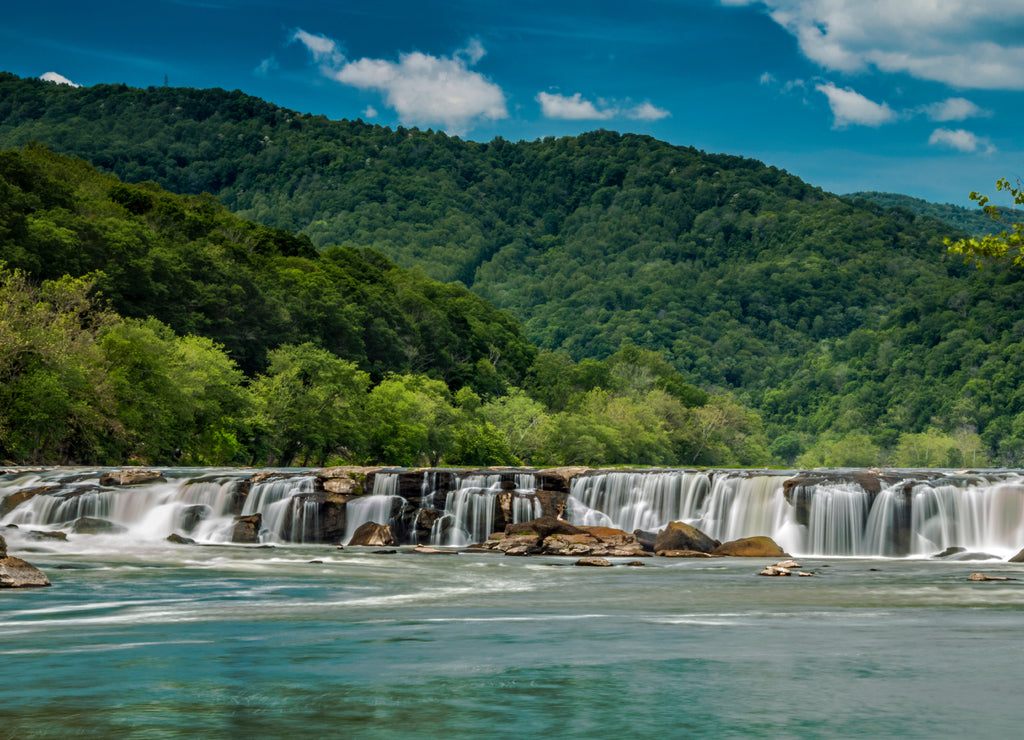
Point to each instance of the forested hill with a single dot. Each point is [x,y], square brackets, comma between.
[841,321]
[196,267]
[972,220]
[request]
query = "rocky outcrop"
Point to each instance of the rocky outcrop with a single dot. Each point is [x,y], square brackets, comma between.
[247,529]
[11,501]
[371,534]
[593,562]
[983,577]
[550,536]
[543,526]
[131,477]
[16,573]
[750,547]
[681,536]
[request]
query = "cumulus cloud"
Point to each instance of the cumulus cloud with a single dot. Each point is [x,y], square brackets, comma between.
[571,108]
[647,112]
[960,140]
[423,89]
[852,108]
[58,78]
[577,108]
[370,112]
[266,66]
[955,109]
[952,41]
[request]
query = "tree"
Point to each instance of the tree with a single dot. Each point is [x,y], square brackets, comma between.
[1007,244]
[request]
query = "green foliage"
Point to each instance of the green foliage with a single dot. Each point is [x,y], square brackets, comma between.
[1007,244]
[974,221]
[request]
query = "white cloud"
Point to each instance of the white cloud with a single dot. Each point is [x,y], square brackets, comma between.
[951,41]
[852,108]
[647,112]
[423,89]
[954,109]
[571,108]
[325,51]
[58,78]
[961,140]
[577,108]
[266,66]
[767,79]
[370,112]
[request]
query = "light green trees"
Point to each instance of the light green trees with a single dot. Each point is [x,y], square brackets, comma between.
[1007,244]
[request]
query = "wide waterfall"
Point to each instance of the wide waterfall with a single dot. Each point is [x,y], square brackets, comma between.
[827,513]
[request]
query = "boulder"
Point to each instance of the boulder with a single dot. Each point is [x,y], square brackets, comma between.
[949,551]
[3,547]
[681,536]
[190,516]
[646,539]
[593,562]
[371,534]
[774,570]
[176,539]
[16,573]
[46,534]
[522,544]
[751,547]
[1018,558]
[92,525]
[131,477]
[543,526]
[247,529]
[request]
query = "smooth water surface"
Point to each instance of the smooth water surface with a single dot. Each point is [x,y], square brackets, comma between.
[225,642]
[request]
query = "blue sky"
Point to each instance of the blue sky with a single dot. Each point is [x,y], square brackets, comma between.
[923,97]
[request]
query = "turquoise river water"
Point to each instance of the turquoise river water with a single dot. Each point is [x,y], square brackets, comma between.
[240,641]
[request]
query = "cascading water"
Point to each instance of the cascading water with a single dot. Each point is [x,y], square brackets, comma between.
[470,511]
[277,499]
[379,507]
[636,500]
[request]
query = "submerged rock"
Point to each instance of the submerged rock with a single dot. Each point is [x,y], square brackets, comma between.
[983,577]
[371,534]
[93,525]
[751,547]
[427,550]
[683,554]
[681,536]
[949,551]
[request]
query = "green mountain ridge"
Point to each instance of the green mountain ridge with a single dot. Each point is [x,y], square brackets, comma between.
[972,220]
[833,317]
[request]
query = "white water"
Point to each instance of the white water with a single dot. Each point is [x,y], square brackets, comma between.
[983,513]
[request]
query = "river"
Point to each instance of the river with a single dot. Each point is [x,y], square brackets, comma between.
[234,641]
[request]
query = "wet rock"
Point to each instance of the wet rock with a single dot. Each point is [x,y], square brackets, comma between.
[131,477]
[371,534]
[13,500]
[93,525]
[983,577]
[593,562]
[42,534]
[787,564]
[191,516]
[544,526]
[247,529]
[681,536]
[427,550]
[16,573]
[1018,558]
[635,563]
[750,547]
[774,570]
[382,552]
[176,539]
[805,574]
[3,547]
[646,539]
[949,551]
[523,544]
[683,554]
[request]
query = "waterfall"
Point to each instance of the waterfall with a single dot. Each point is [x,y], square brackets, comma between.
[636,500]
[275,500]
[470,511]
[378,507]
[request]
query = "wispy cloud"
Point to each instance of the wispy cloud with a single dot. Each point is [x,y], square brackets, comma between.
[577,108]
[851,108]
[955,109]
[953,41]
[960,140]
[422,88]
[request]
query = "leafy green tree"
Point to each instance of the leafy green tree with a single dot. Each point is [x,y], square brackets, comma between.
[308,407]
[1007,244]
[411,421]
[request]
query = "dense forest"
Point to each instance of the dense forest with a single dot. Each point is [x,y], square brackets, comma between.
[972,220]
[845,325]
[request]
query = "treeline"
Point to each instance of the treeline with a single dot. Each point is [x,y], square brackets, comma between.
[843,324]
[974,221]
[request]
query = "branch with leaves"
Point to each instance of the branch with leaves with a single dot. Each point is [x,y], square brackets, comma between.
[1007,244]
